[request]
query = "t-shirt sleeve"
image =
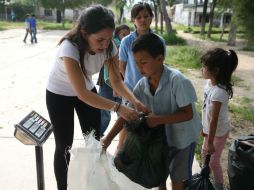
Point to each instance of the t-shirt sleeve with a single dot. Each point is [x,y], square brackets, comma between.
[67,49]
[184,92]
[123,50]
[219,95]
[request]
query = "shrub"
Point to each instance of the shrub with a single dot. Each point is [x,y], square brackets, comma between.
[173,39]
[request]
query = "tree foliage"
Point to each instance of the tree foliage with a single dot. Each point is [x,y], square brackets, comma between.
[62,4]
[244,11]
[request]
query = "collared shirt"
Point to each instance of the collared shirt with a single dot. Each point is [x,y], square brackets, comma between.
[132,75]
[174,91]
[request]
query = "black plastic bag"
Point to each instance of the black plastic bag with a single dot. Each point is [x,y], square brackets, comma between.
[144,157]
[241,164]
[200,181]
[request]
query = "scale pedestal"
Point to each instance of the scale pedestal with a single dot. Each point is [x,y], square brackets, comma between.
[34,130]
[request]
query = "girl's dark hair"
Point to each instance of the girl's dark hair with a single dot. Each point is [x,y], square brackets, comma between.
[139,7]
[151,43]
[119,28]
[222,64]
[91,20]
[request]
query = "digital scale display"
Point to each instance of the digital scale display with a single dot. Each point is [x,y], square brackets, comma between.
[33,129]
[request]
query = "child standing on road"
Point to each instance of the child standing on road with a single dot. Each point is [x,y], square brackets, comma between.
[217,66]
[171,97]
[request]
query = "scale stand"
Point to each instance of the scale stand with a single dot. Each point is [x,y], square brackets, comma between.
[39,167]
[34,130]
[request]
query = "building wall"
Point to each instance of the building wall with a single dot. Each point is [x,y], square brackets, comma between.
[41,14]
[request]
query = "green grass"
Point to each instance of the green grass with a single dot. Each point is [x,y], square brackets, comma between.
[4,25]
[183,57]
[41,25]
[236,80]
[247,48]
[199,148]
[196,29]
[200,139]
[242,109]
[173,39]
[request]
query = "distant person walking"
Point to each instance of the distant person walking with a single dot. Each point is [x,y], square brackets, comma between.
[28,29]
[33,27]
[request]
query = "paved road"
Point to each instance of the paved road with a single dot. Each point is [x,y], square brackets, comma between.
[23,74]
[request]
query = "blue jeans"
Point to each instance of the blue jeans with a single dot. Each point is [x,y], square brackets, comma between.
[33,34]
[106,92]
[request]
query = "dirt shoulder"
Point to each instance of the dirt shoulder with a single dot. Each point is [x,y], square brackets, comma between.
[243,89]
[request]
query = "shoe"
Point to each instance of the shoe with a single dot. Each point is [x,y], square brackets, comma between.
[24,41]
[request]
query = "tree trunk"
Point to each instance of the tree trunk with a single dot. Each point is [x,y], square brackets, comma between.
[63,18]
[161,20]
[211,19]
[195,11]
[121,15]
[203,21]
[232,34]
[222,27]
[161,16]
[155,15]
[165,16]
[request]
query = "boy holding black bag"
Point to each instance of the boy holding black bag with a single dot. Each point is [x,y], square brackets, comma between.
[171,97]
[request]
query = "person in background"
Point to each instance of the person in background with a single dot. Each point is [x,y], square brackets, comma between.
[120,32]
[28,29]
[171,98]
[217,67]
[33,27]
[81,54]
[105,89]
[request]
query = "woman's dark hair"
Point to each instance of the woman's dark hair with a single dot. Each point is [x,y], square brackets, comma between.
[139,7]
[151,43]
[222,64]
[119,28]
[92,20]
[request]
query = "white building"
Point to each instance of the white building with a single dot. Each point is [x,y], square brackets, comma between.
[189,14]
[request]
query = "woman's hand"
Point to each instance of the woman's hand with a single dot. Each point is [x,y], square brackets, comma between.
[140,107]
[128,114]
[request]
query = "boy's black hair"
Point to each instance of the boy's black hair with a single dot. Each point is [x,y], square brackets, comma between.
[151,43]
[222,64]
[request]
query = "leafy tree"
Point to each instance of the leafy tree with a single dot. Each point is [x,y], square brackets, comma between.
[71,4]
[244,12]
[119,4]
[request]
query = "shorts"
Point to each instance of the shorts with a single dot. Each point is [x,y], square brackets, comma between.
[180,167]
